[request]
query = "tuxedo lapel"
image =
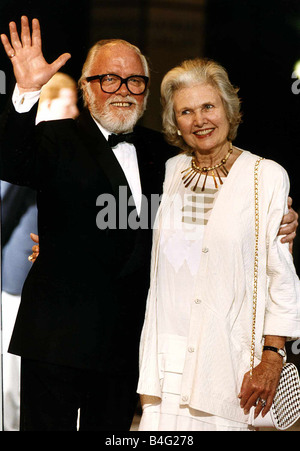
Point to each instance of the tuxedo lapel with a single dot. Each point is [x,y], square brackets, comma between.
[101,152]
[143,160]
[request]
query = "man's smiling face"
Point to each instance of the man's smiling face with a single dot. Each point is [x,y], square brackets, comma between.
[117,112]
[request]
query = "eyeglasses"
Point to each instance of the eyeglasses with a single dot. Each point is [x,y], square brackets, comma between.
[111,83]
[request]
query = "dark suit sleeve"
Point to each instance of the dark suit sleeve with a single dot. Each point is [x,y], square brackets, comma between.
[27,155]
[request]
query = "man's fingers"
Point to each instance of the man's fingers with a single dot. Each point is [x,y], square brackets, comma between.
[6,44]
[36,33]
[32,258]
[288,229]
[25,32]
[289,239]
[14,36]
[288,218]
[61,61]
[34,237]
[291,217]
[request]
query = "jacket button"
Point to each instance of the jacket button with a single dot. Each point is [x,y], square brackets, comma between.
[197,301]
[205,250]
[191,349]
[185,398]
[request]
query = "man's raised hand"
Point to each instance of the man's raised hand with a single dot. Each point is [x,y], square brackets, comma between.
[31,69]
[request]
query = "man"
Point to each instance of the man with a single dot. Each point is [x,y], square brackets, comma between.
[58,100]
[81,313]
[82,308]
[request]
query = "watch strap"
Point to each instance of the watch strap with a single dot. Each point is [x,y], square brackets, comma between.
[272,348]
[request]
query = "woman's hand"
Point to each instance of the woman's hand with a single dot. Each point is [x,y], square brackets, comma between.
[261,389]
[31,70]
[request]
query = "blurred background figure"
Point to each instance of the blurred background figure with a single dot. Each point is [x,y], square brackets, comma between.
[58,99]
[19,218]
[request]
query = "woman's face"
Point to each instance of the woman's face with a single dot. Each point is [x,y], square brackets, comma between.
[201,118]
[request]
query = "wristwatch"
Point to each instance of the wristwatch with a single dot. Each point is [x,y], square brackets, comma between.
[279,351]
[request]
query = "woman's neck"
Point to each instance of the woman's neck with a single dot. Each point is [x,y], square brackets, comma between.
[212,157]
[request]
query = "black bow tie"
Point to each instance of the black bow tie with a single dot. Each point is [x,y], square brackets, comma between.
[114,140]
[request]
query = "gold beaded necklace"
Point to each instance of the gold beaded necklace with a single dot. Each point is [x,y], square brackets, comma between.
[194,170]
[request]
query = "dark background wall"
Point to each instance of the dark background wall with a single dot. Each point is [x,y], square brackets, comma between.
[256,40]
[259,42]
[65,28]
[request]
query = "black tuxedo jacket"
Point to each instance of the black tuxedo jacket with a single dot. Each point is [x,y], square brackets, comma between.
[83,301]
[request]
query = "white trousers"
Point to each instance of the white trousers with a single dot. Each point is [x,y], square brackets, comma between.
[11,365]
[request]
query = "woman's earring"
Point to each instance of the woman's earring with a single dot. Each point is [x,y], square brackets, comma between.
[178,132]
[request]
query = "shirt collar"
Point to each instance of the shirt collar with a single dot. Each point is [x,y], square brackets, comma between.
[103,130]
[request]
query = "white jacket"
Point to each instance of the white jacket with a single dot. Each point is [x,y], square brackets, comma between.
[218,351]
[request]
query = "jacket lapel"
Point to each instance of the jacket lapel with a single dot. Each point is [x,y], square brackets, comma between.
[142,161]
[101,152]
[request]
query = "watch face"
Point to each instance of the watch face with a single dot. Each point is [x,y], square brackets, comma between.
[281,352]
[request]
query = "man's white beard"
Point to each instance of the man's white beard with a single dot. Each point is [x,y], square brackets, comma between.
[119,121]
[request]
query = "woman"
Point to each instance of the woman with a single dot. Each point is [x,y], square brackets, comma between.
[195,346]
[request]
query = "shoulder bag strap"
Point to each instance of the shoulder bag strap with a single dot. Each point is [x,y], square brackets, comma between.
[255,263]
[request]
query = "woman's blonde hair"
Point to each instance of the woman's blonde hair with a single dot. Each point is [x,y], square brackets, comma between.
[193,72]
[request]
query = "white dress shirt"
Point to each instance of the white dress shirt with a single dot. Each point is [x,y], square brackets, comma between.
[124,152]
[127,158]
